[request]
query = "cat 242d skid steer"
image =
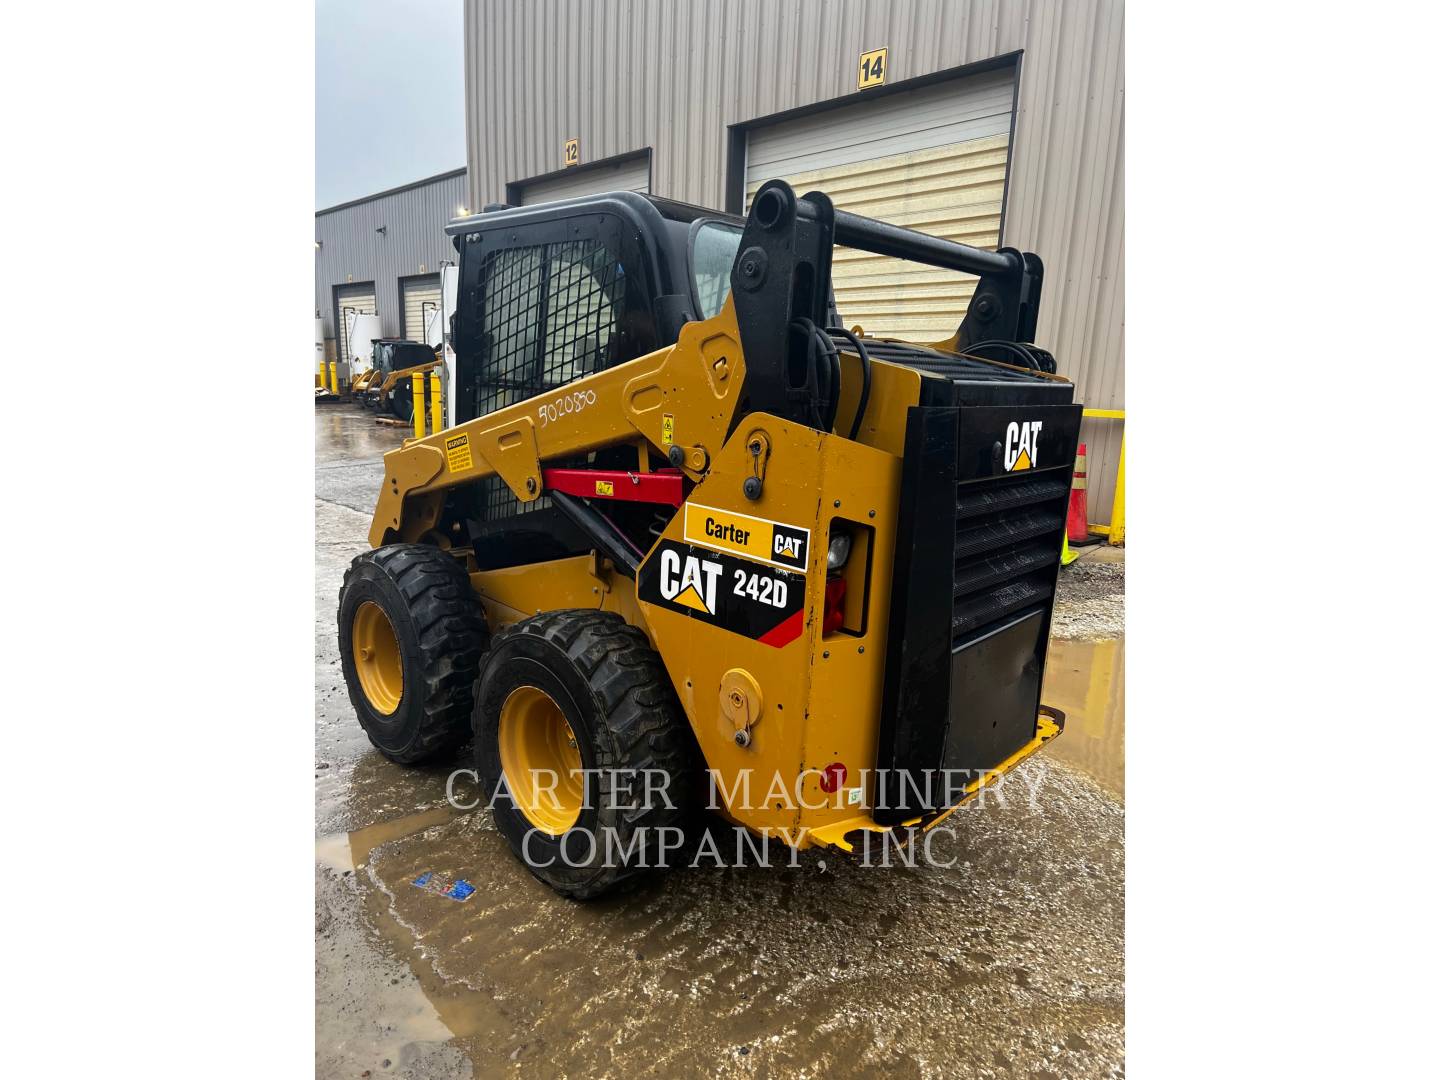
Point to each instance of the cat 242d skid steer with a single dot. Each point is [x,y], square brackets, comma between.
[685,526]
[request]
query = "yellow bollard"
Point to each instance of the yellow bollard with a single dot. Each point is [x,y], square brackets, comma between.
[334,377]
[1117,505]
[320,378]
[417,402]
[437,409]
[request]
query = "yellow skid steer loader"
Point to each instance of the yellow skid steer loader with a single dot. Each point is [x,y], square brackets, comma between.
[386,386]
[690,541]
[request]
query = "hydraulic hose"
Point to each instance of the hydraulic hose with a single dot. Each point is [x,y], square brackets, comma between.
[864,356]
[1013,348]
[817,342]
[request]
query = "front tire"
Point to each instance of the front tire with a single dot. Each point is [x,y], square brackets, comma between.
[572,690]
[412,634]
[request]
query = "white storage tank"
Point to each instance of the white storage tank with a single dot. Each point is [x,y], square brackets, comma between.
[363,330]
[319,343]
[449,295]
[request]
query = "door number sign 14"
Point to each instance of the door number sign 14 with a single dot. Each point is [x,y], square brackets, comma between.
[872,69]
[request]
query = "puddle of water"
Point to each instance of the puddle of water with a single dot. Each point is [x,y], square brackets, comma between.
[350,851]
[451,1007]
[786,962]
[430,1010]
[1086,680]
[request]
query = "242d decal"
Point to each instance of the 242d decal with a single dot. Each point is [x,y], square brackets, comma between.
[763,603]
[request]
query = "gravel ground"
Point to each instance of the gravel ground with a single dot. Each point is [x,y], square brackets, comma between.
[1091,601]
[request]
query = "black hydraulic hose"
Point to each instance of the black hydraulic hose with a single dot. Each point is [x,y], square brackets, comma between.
[816,341]
[832,392]
[861,352]
[1013,347]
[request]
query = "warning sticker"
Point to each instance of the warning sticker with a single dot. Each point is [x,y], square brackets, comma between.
[667,428]
[755,538]
[604,487]
[734,594]
[457,454]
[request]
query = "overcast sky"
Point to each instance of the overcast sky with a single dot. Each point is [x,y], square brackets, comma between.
[389,94]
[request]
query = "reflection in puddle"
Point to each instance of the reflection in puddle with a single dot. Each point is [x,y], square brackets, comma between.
[432,1010]
[460,1010]
[350,851]
[1086,679]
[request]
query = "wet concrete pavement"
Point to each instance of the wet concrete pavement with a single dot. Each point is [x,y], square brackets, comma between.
[1002,957]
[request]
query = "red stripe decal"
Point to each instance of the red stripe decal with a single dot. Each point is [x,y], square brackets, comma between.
[786,632]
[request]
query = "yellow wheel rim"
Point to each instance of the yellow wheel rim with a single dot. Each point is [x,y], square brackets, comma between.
[541,760]
[377,658]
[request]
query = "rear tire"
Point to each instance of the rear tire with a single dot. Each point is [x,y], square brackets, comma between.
[412,634]
[615,701]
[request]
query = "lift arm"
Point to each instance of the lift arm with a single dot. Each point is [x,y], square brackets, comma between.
[681,399]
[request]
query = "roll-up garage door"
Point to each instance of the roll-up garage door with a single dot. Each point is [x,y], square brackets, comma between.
[631,174]
[419,300]
[352,298]
[932,159]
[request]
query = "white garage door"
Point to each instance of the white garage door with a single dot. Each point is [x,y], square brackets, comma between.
[420,301]
[630,175]
[931,159]
[351,298]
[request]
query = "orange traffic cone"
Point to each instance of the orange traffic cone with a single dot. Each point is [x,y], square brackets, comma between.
[1077,526]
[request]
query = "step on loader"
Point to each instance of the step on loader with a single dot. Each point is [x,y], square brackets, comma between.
[689,542]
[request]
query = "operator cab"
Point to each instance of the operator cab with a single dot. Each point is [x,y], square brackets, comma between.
[397,354]
[552,292]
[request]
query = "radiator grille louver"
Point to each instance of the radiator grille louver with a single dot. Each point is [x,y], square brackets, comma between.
[1006,547]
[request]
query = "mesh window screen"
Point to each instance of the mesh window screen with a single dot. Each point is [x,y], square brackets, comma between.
[549,314]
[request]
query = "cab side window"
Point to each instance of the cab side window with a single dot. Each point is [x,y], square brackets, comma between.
[548,316]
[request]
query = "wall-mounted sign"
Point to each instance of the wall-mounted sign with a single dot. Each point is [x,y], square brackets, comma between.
[872,69]
[572,152]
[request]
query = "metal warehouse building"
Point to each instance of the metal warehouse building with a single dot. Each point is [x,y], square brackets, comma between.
[381,255]
[985,121]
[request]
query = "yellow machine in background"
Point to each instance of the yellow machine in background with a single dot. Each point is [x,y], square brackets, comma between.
[684,524]
[386,385]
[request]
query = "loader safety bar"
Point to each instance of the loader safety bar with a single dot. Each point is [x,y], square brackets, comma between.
[780,284]
[882,238]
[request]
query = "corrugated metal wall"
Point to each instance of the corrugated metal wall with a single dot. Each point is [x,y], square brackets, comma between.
[414,242]
[631,174]
[624,75]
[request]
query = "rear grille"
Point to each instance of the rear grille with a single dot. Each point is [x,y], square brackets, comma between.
[1006,545]
[964,667]
[971,502]
[1002,530]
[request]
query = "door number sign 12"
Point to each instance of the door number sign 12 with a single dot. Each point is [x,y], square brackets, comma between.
[872,69]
